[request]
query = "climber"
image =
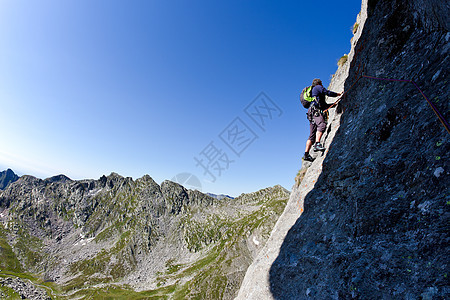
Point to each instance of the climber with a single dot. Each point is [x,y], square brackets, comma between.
[317,123]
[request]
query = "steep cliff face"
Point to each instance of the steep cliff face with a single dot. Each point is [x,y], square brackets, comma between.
[370,217]
[116,236]
[7,177]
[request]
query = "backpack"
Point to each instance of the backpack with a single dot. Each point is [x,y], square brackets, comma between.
[306,97]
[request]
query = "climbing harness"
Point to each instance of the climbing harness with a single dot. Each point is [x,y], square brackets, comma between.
[315,112]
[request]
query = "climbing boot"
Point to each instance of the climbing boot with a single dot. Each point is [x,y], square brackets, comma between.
[318,147]
[308,157]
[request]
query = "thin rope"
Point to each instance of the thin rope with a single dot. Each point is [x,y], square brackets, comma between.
[433,107]
[342,96]
[436,111]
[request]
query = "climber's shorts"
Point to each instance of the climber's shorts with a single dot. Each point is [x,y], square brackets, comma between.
[317,124]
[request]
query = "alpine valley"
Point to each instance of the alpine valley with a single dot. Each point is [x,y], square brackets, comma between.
[367,219]
[120,238]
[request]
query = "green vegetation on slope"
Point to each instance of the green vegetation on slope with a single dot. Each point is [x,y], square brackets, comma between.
[120,225]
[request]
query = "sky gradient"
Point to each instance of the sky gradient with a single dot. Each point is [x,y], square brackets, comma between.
[208,88]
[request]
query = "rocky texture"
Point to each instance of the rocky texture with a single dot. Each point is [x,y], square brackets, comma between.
[369,219]
[7,177]
[23,289]
[116,236]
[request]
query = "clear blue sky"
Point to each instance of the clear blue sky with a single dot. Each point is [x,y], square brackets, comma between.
[152,87]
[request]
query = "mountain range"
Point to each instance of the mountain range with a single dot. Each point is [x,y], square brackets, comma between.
[367,219]
[115,236]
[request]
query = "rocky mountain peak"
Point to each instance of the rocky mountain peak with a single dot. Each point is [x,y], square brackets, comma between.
[176,196]
[57,178]
[146,178]
[7,177]
[116,230]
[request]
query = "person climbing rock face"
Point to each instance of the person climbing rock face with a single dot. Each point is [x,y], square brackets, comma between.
[317,123]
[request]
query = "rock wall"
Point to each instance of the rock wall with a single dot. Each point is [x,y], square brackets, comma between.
[23,289]
[7,177]
[370,217]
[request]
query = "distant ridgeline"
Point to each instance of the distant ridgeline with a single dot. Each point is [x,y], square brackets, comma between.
[220,197]
[121,238]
